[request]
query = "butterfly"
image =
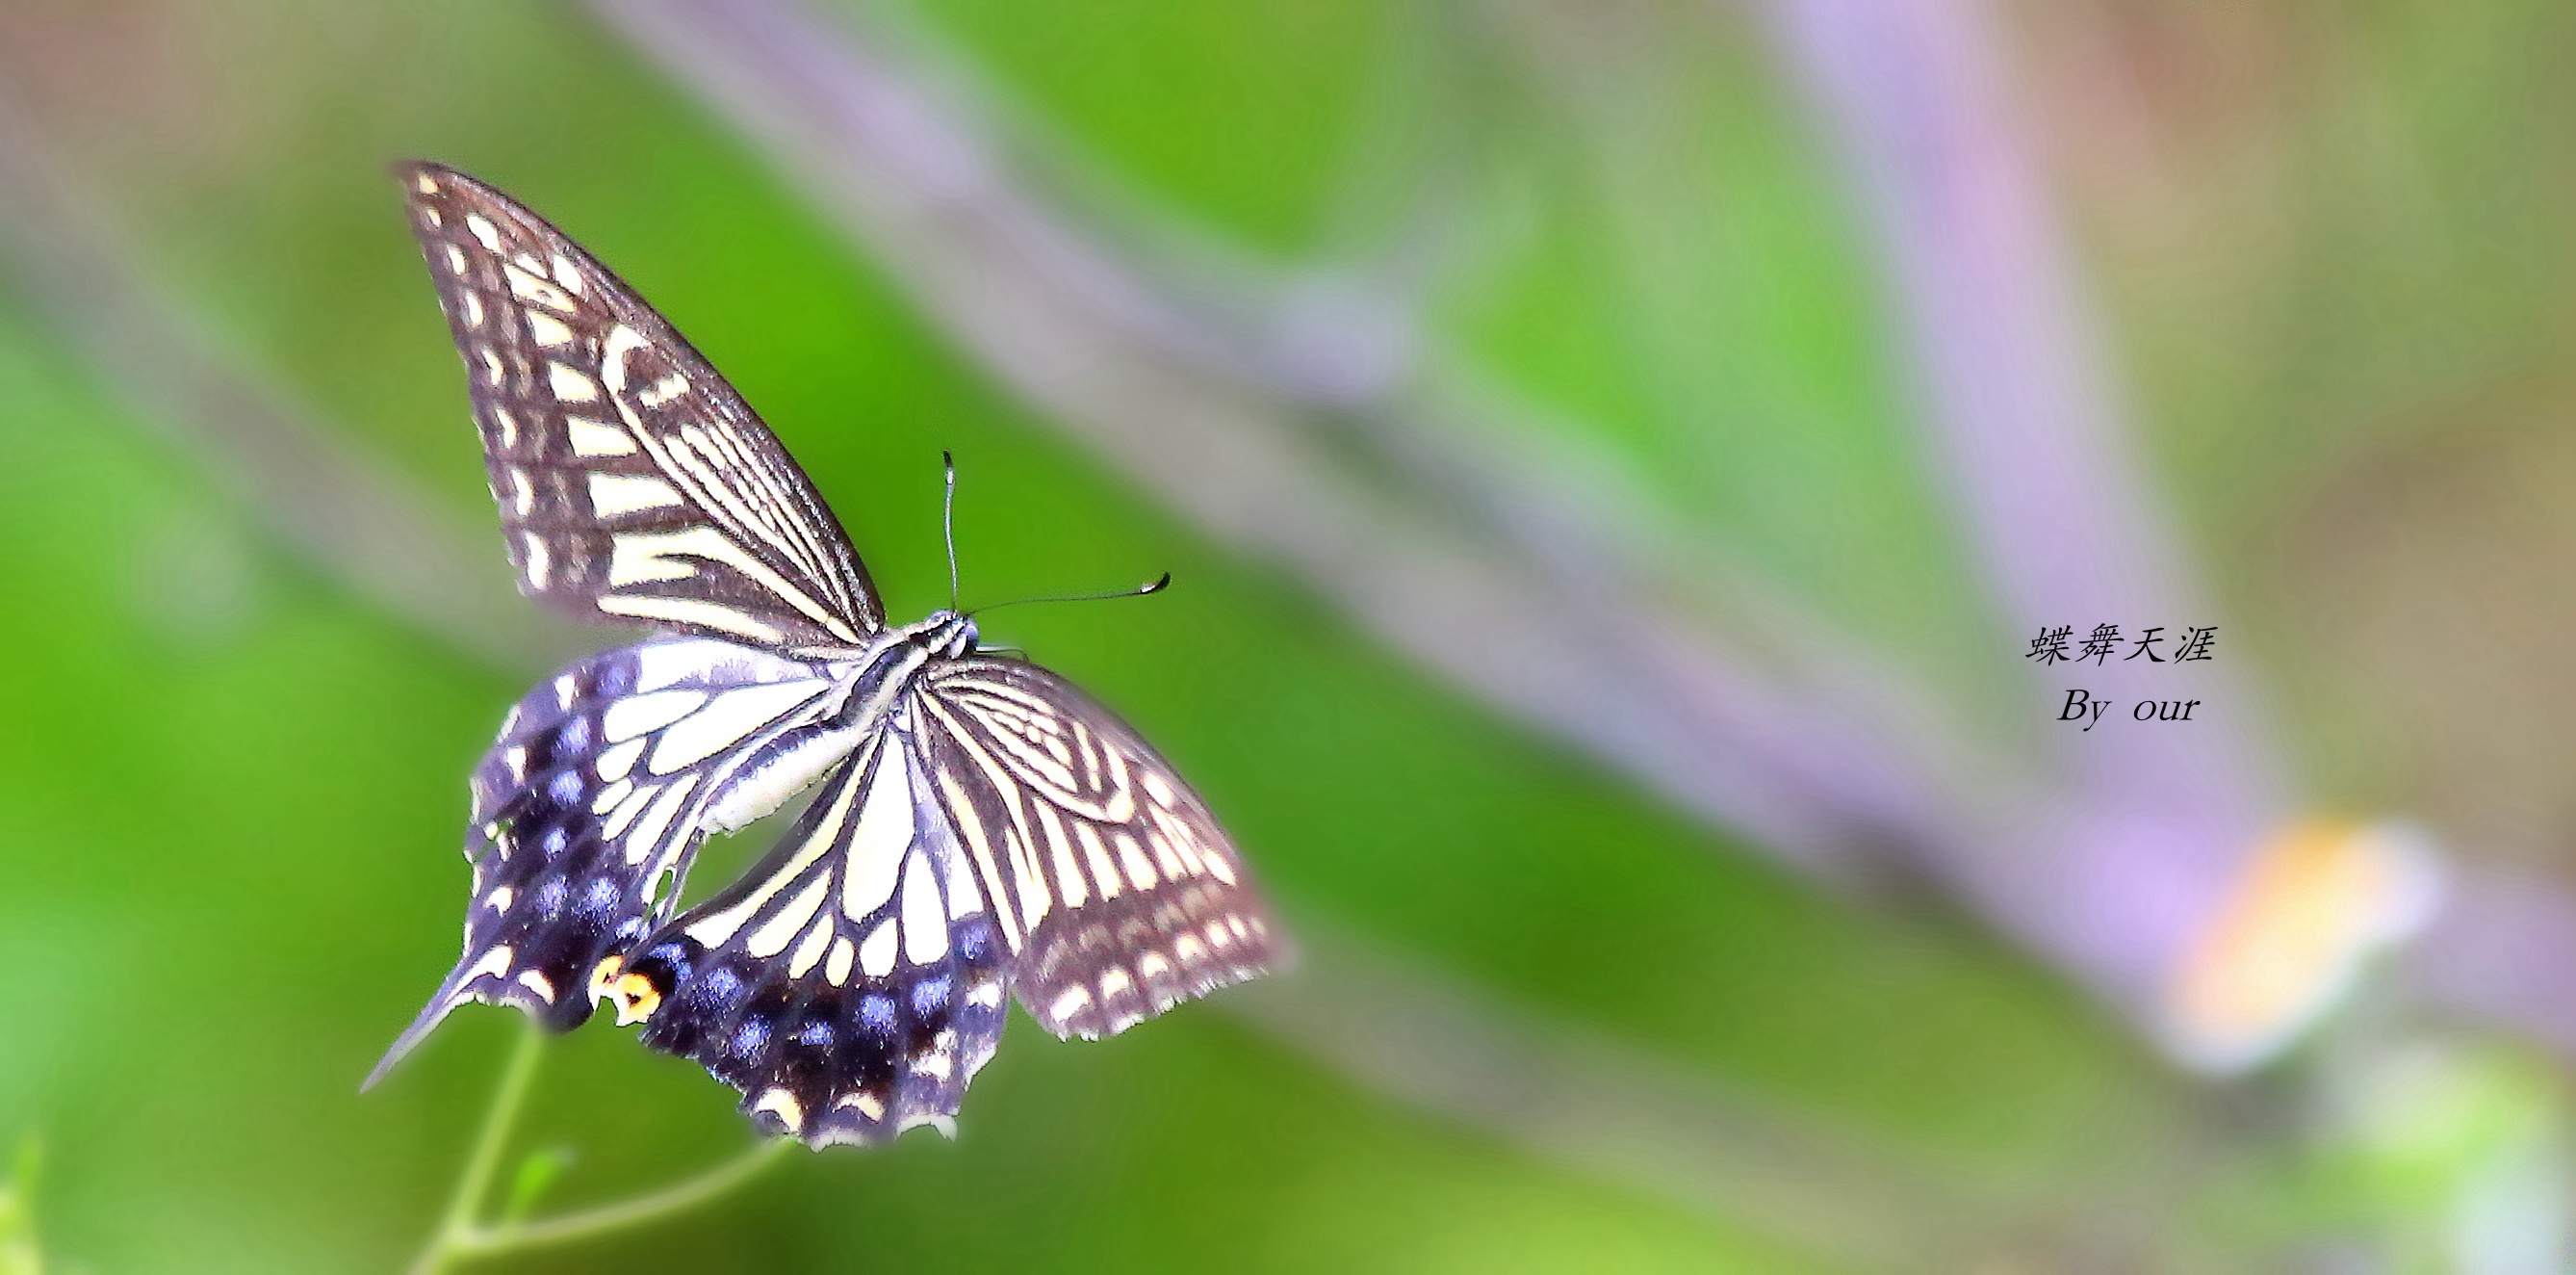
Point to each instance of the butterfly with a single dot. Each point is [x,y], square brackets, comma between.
[982,830]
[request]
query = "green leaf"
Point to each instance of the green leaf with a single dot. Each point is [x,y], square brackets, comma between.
[537,1171]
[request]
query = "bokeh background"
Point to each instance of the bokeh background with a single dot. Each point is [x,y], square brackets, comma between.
[1614,455]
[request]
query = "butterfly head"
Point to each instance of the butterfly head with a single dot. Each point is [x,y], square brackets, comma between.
[946,635]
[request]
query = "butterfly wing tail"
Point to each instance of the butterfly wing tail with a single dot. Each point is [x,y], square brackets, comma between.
[431,1015]
[544,978]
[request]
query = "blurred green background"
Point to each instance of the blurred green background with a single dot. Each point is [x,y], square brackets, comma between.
[2328,246]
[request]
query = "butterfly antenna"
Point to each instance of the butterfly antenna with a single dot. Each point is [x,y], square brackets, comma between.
[948,522]
[1152,586]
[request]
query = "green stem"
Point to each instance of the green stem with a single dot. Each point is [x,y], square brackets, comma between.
[460,1237]
[688,1194]
[445,1244]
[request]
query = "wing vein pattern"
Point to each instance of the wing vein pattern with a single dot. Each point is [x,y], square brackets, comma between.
[633,482]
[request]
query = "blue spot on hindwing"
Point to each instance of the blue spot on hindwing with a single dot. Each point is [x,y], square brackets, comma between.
[876,1013]
[720,987]
[599,900]
[749,1039]
[929,996]
[613,678]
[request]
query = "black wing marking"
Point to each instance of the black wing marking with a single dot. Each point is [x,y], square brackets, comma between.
[603,782]
[851,985]
[1116,890]
[632,480]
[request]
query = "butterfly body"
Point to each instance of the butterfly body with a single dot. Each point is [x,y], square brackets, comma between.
[980,830]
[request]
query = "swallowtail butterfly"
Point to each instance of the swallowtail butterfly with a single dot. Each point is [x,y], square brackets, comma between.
[983,830]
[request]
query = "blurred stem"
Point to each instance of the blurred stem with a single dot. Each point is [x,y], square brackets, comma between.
[687,1194]
[460,1237]
[520,1072]
[19,1252]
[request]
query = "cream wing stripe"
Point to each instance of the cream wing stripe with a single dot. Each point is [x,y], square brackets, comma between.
[729,719]
[970,826]
[716,928]
[884,833]
[709,615]
[715,500]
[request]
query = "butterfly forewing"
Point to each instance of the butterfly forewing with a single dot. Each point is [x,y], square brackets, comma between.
[851,985]
[633,481]
[1117,891]
[603,782]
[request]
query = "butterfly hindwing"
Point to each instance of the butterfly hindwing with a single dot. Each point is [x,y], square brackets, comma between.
[1117,891]
[852,984]
[633,481]
[603,782]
